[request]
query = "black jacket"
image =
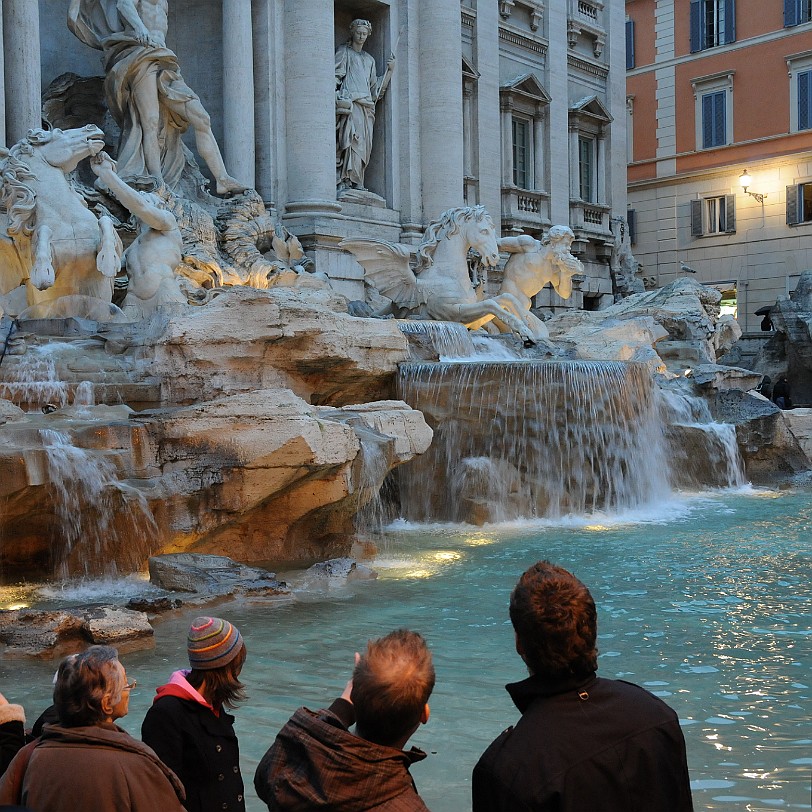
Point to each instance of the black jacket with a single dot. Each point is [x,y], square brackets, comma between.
[317,764]
[201,749]
[596,744]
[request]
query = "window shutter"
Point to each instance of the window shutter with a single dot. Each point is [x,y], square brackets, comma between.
[629,44]
[792,205]
[719,129]
[791,8]
[730,214]
[696,26]
[730,21]
[631,219]
[805,100]
[696,218]
[707,121]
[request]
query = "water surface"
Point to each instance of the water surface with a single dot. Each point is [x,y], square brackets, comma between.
[705,601]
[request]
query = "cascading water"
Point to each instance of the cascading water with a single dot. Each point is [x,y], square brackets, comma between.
[100,524]
[36,381]
[533,438]
[703,452]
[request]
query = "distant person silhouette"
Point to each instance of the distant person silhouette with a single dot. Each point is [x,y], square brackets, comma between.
[781,393]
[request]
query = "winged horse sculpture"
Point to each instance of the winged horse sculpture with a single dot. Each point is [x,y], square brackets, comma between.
[439,286]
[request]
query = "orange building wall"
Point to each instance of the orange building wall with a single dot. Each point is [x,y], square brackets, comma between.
[643,15]
[753,17]
[644,140]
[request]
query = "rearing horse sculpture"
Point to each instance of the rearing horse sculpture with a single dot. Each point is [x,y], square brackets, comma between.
[49,239]
[439,287]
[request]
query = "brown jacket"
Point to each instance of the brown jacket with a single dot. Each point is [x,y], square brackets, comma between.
[93,769]
[316,763]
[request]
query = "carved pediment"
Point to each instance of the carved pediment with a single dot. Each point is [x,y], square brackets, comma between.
[527,86]
[590,108]
[468,69]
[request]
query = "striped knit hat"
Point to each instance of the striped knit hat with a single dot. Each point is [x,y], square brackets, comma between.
[212,643]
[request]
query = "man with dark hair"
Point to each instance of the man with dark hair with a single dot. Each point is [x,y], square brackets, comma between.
[582,742]
[317,763]
[86,763]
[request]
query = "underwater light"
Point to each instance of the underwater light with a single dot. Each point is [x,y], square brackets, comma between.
[445,556]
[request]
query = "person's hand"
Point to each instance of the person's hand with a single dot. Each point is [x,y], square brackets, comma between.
[102,163]
[348,687]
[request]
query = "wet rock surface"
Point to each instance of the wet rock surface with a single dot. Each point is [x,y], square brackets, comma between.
[55,633]
[212,575]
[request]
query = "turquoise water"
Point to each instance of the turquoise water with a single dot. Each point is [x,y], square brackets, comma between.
[706,601]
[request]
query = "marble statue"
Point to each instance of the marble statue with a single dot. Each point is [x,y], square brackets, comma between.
[623,266]
[533,264]
[152,257]
[358,89]
[439,287]
[49,239]
[146,92]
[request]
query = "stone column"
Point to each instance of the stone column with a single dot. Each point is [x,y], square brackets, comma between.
[238,91]
[441,140]
[2,87]
[538,150]
[310,106]
[23,78]
[486,45]
[600,170]
[574,163]
[507,143]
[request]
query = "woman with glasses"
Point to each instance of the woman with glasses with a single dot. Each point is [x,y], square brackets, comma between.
[188,726]
[86,763]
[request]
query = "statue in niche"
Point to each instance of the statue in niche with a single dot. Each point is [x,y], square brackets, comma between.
[152,257]
[358,90]
[146,92]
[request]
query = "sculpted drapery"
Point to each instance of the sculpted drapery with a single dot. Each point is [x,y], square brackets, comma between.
[128,62]
[357,81]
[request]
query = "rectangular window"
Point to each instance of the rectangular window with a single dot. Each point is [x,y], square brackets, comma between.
[714,128]
[712,23]
[805,99]
[716,215]
[799,204]
[630,44]
[797,12]
[586,169]
[521,153]
[713,215]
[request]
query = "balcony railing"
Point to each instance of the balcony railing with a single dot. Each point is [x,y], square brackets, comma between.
[525,208]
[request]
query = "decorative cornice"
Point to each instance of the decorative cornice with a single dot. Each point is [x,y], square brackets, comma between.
[576,62]
[521,40]
[468,16]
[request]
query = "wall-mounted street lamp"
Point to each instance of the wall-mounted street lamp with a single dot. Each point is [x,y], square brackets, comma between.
[745,180]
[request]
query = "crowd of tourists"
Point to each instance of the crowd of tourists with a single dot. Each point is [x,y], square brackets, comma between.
[581,743]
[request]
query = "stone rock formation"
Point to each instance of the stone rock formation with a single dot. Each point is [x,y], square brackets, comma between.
[212,575]
[55,633]
[686,311]
[267,459]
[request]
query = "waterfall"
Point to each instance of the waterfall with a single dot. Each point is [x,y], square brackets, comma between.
[100,523]
[532,439]
[370,509]
[450,341]
[36,382]
[703,452]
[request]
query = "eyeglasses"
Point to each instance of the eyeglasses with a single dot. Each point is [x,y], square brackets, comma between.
[130,686]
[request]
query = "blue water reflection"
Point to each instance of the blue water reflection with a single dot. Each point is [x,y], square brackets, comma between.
[704,601]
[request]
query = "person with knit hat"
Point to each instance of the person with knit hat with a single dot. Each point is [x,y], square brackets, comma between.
[188,726]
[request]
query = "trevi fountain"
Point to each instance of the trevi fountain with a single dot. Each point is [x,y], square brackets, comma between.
[192,413]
